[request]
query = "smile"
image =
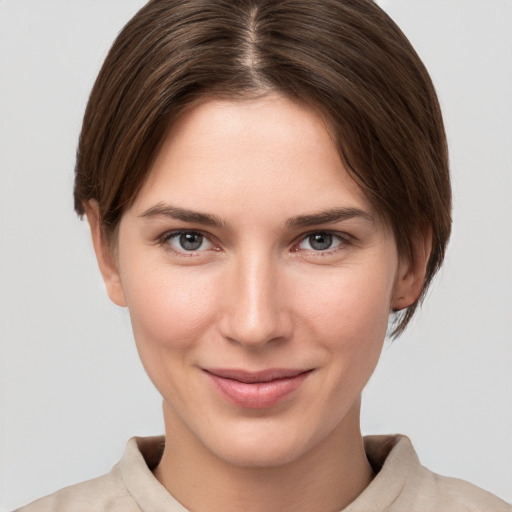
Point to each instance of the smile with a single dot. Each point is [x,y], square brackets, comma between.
[256,390]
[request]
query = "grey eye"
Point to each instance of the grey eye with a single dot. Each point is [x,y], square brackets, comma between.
[320,241]
[190,241]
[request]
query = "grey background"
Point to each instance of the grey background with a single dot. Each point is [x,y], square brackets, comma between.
[71,388]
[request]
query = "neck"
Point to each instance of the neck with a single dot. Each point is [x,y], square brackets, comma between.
[326,478]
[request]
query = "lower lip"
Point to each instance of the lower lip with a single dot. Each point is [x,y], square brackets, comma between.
[257,395]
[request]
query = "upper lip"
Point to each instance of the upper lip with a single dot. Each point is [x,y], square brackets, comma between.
[249,377]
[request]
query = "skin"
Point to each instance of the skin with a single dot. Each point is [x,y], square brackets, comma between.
[256,294]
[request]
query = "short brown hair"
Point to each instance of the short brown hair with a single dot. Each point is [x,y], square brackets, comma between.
[345,58]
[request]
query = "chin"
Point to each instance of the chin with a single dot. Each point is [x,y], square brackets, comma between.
[257,455]
[262,445]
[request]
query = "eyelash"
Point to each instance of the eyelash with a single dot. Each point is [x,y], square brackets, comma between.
[342,238]
[166,237]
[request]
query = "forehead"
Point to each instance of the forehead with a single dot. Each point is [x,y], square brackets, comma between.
[264,152]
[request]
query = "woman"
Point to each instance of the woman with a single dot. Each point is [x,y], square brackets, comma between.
[265,183]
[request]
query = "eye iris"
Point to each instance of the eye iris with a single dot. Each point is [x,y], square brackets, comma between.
[320,241]
[191,241]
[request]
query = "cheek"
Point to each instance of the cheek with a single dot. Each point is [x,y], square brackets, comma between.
[350,306]
[348,318]
[169,308]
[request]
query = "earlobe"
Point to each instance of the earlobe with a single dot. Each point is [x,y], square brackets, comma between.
[104,256]
[411,274]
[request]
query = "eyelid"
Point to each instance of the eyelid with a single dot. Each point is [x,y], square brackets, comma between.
[345,239]
[168,235]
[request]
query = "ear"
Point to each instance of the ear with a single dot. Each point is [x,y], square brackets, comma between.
[411,274]
[104,255]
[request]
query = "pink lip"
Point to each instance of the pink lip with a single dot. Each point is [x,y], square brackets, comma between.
[256,390]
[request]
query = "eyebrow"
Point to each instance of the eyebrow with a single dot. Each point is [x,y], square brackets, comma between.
[324,217]
[329,216]
[173,212]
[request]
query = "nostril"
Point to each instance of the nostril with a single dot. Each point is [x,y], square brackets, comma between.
[254,312]
[256,330]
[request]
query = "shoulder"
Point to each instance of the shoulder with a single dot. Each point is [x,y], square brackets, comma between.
[129,487]
[403,484]
[455,494]
[106,493]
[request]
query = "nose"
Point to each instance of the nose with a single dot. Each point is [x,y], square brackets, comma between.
[255,310]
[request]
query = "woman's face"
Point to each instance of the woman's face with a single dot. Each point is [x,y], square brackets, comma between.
[258,279]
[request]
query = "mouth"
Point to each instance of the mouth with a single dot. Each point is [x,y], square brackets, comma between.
[257,390]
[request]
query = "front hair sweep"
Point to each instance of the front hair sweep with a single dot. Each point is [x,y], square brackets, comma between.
[345,58]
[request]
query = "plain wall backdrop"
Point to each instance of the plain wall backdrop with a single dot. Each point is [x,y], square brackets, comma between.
[72,390]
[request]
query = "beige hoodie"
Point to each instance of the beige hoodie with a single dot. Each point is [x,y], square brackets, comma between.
[402,484]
